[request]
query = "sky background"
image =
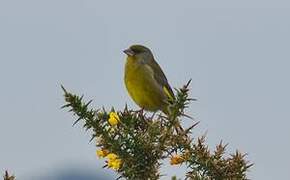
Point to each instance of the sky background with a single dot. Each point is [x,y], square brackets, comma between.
[236,52]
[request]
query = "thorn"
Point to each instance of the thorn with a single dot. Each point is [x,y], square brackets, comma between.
[187,116]
[88,103]
[64,90]
[188,83]
[153,114]
[126,108]
[92,138]
[191,127]
[77,121]
[82,97]
[65,106]
[112,109]
[250,165]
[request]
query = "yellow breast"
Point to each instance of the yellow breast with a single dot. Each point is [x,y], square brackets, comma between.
[142,86]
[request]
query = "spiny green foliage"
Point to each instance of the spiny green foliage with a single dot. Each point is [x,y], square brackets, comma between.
[142,141]
[205,165]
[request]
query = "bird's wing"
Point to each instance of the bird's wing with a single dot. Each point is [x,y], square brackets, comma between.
[160,77]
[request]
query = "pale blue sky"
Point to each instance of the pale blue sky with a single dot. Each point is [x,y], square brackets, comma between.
[236,52]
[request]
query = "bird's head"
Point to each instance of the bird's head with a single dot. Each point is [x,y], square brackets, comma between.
[139,52]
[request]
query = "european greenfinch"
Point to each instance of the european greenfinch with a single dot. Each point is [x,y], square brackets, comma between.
[145,81]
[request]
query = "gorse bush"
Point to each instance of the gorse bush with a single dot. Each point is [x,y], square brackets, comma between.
[134,143]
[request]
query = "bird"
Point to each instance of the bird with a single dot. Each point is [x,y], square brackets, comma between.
[145,81]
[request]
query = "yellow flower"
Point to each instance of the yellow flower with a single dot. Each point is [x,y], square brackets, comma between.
[113,161]
[102,153]
[115,164]
[113,119]
[176,159]
[112,156]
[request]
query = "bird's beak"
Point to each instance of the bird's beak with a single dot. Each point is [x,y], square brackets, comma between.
[129,52]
